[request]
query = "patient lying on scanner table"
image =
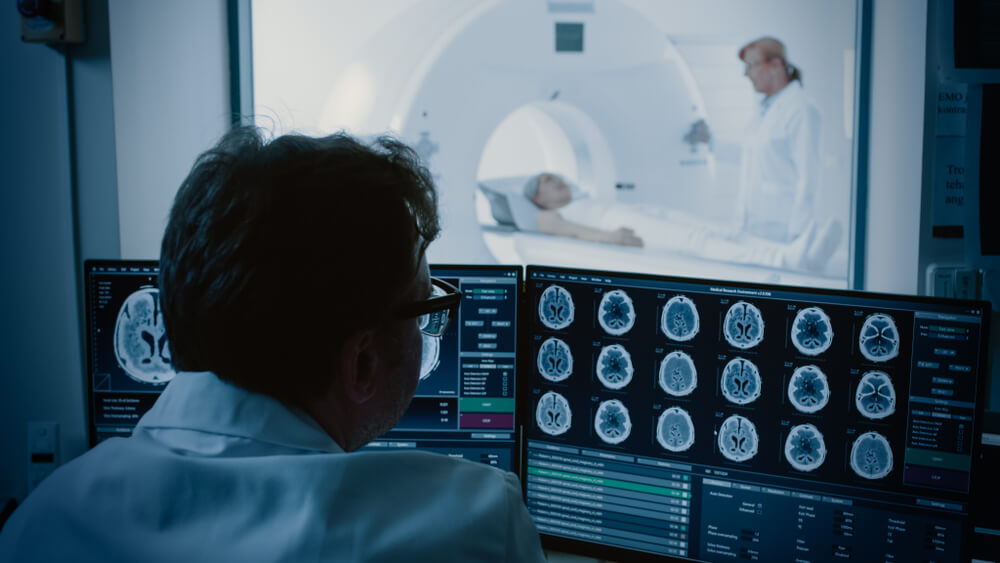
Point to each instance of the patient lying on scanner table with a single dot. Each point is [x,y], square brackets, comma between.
[562,213]
[574,219]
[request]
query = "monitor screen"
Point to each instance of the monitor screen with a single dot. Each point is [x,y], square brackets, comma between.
[722,421]
[128,357]
[464,405]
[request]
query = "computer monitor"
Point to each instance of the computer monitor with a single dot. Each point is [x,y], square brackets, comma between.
[465,405]
[128,356]
[722,421]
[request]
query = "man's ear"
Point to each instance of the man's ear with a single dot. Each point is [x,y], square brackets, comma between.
[358,365]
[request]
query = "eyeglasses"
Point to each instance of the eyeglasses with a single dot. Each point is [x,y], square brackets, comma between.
[433,314]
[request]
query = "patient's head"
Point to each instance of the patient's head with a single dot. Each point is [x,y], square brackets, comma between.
[548,191]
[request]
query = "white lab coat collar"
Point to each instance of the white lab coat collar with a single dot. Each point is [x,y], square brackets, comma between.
[201,402]
[790,90]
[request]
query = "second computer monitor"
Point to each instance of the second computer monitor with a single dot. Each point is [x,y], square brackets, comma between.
[128,356]
[722,421]
[464,405]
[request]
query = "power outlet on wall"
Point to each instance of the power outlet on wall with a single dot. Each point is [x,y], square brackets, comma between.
[954,281]
[43,451]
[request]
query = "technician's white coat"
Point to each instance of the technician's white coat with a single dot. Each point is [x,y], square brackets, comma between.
[779,170]
[214,473]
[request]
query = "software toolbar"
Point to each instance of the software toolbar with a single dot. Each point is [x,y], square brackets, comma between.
[464,405]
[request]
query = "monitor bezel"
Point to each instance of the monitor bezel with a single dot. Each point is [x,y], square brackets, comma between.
[591,549]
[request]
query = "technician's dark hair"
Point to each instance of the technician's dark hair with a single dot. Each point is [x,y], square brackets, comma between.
[276,251]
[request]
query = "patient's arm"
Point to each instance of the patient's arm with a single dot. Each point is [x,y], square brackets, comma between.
[552,223]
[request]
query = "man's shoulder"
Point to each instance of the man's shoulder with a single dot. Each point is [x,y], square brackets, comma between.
[125,485]
[433,476]
[74,497]
[420,465]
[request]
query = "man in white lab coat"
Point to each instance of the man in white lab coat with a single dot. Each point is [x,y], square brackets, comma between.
[779,156]
[295,295]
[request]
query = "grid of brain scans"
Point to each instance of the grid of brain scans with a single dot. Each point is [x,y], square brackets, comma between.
[464,405]
[127,349]
[718,421]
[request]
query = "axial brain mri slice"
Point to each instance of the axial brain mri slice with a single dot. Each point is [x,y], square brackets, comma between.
[808,389]
[680,321]
[678,376]
[871,456]
[805,449]
[555,308]
[738,439]
[743,326]
[555,360]
[740,381]
[614,366]
[876,396]
[812,332]
[675,430]
[879,338]
[612,423]
[430,357]
[553,414]
[616,313]
[141,345]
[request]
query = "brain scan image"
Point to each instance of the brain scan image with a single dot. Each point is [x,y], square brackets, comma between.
[553,414]
[616,313]
[614,366]
[804,447]
[876,396]
[612,422]
[678,377]
[674,430]
[141,345]
[808,389]
[871,456]
[556,308]
[740,381]
[430,358]
[743,326]
[879,338]
[680,320]
[812,332]
[738,439]
[555,360]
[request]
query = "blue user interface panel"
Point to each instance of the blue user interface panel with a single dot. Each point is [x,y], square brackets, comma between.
[717,421]
[128,356]
[464,405]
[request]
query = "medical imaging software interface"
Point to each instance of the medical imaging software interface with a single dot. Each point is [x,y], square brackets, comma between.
[721,422]
[127,350]
[464,405]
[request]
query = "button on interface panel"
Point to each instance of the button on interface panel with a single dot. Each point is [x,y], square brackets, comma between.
[720,422]
[464,405]
[128,355]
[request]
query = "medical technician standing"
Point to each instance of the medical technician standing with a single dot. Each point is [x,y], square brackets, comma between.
[779,157]
[295,296]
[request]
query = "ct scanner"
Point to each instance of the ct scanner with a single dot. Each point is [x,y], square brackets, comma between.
[481,92]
